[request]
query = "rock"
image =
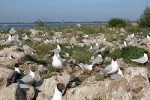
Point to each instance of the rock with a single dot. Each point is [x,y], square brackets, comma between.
[4,74]
[137,78]
[109,44]
[118,90]
[28,91]
[73,41]
[106,90]
[33,32]
[48,85]
[12,92]
[6,52]
[144,94]
[89,79]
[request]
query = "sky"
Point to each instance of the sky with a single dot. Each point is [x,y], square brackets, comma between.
[70,10]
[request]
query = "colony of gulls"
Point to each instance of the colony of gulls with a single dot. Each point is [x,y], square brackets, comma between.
[112,71]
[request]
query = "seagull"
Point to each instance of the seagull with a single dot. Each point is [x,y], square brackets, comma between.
[56,61]
[118,75]
[123,45]
[19,45]
[94,48]
[98,59]
[73,82]
[145,41]
[130,37]
[14,75]
[57,50]
[112,68]
[29,77]
[58,91]
[11,57]
[25,37]
[57,40]
[143,59]
[86,66]
[8,41]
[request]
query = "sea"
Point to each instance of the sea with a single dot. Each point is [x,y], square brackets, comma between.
[52,25]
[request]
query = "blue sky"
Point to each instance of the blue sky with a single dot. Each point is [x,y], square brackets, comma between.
[70,10]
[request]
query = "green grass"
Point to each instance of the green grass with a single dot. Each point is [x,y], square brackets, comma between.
[127,53]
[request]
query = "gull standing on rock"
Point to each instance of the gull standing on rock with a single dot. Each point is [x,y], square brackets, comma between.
[56,61]
[112,68]
[8,41]
[14,75]
[29,77]
[143,59]
[58,91]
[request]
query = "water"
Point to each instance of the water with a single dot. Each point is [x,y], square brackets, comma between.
[52,25]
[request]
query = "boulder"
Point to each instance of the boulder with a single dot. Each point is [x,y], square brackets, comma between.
[12,92]
[106,90]
[137,78]
[144,94]
[47,86]
[4,74]
[73,41]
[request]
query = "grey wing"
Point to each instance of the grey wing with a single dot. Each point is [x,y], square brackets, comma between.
[95,48]
[57,51]
[1,41]
[145,40]
[140,60]
[27,79]
[6,42]
[97,60]
[122,46]
[107,69]
[116,76]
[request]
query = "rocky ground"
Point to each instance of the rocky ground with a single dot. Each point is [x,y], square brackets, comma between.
[75,41]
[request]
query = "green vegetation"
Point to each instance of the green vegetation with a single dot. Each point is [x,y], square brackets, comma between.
[144,20]
[117,22]
[129,52]
[40,23]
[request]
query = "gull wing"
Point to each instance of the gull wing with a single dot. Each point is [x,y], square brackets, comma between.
[107,69]
[140,60]
[27,79]
[116,76]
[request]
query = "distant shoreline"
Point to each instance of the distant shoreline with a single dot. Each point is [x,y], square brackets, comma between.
[53,22]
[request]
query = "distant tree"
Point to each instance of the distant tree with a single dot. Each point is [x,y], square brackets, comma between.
[40,23]
[144,20]
[117,22]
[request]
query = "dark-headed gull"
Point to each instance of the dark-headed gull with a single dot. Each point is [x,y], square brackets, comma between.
[142,60]
[14,75]
[145,41]
[112,68]
[56,61]
[58,91]
[29,77]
